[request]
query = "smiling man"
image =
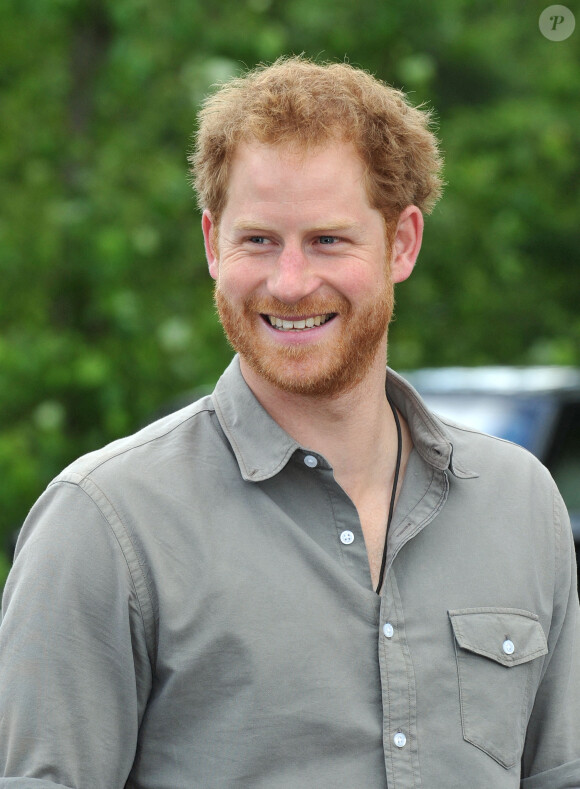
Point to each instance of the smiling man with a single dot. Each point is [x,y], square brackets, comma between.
[305,579]
[304,282]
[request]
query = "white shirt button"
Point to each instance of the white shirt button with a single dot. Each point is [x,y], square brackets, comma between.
[310,461]
[346,537]
[508,647]
[400,740]
[388,630]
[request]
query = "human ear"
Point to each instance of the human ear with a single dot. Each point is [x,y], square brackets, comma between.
[406,243]
[209,239]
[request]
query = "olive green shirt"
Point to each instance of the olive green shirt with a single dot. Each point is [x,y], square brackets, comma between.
[192,607]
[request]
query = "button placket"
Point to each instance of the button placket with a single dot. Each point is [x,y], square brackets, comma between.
[398,690]
[346,534]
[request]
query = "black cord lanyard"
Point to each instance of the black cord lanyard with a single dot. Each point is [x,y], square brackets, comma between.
[394,491]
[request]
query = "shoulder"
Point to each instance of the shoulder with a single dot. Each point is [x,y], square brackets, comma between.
[481,450]
[509,483]
[186,431]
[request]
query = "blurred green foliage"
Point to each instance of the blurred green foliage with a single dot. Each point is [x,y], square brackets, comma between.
[105,304]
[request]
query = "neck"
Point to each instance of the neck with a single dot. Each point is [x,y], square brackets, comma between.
[354,431]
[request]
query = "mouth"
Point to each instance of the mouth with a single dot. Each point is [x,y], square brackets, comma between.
[282,324]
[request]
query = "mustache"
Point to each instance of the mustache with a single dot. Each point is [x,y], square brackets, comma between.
[303,308]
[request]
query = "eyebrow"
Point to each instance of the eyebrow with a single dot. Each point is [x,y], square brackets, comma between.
[331,226]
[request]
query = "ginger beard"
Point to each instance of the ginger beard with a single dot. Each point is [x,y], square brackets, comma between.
[324,368]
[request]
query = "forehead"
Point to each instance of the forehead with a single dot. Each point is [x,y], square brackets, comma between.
[285,174]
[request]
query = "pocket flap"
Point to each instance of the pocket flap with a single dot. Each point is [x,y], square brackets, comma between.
[507,635]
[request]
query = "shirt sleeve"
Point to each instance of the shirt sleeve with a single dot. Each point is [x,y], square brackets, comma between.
[74,667]
[552,754]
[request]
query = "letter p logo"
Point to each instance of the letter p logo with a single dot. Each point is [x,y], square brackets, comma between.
[557,23]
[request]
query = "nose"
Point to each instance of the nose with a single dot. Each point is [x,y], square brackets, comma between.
[292,277]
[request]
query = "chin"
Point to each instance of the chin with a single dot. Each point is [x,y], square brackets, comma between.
[312,380]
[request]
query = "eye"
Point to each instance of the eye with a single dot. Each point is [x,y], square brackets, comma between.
[327,240]
[257,240]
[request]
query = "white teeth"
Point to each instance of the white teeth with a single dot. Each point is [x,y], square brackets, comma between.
[304,323]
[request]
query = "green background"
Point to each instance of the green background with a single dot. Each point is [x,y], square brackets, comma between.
[105,303]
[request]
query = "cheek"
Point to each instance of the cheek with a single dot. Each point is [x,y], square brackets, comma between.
[237,278]
[362,283]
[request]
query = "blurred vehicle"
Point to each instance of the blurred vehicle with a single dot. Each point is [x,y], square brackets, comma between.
[537,407]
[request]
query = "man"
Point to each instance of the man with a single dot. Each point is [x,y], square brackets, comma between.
[305,579]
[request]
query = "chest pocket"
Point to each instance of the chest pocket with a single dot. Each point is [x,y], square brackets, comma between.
[498,671]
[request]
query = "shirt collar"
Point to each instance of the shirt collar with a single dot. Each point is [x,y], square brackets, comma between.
[260,445]
[431,438]
[262,448]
